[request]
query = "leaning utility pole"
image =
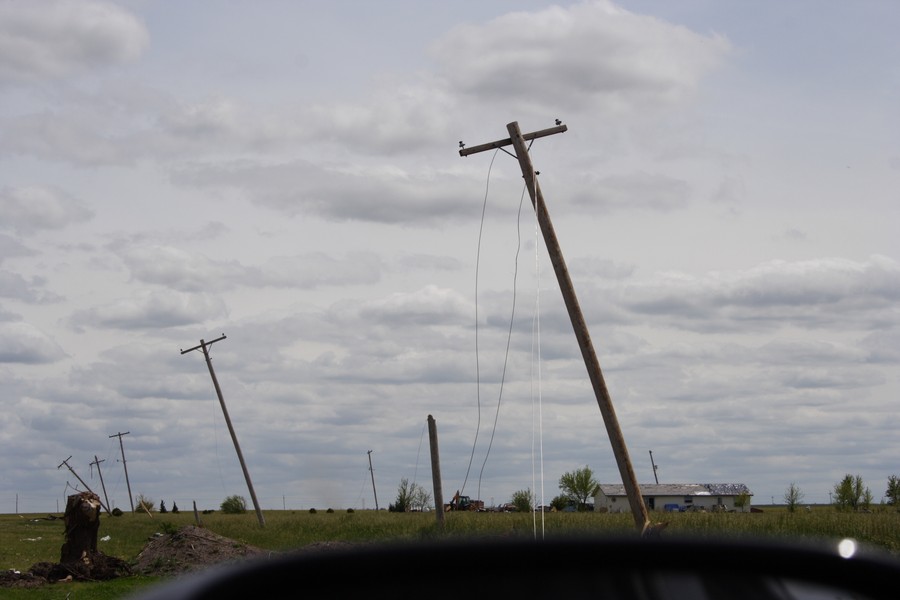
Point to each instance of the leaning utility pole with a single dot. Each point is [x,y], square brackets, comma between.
[204,346]
[604,401]
[97,462]
[654,467]
[86,486]
[372,471]
[125,466]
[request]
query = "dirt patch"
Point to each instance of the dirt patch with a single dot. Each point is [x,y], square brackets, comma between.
[190,549]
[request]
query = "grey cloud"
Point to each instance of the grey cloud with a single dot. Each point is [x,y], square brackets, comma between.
[28,209]
[833,292]
[23,343]
[379,195]
[13,285]
[54,39]
[153,310]
[190,272]
[630,192]
[10,247]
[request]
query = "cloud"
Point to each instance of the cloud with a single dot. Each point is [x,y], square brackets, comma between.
[337,193]
[13,285]
[644,191]
[24,343]
[193,272]
[151,310]
[589,55]
[29,209]
[58,38]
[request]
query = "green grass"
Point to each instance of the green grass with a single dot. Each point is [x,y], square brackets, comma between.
[28,539]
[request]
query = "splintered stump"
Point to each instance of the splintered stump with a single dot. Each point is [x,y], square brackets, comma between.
[79,558]
[82,521]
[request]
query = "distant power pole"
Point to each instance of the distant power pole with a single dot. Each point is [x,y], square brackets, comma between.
[204,346]
[654,467]
[372,471]
[125,465]
[99,474]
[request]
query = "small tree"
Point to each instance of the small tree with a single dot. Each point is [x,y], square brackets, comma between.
[742,500]
[793,496]
[559,503]
[850,493]
[410,496]
[893,491]
[234,505]
[578,486]
[162,507]
[174,507]
[523,500]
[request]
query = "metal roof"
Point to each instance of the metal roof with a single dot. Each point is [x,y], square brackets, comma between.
[679,489]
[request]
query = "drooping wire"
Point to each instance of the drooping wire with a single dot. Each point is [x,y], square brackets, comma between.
[477,360]
[512,318]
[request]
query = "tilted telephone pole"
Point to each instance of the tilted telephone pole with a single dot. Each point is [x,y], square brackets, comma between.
[204,346]
[125,466]
[517,140]
[372,472]
[97,462]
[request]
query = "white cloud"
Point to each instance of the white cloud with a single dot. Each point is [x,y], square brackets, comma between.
[589,55]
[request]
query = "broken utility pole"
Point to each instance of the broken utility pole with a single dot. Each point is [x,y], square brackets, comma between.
[517,140]
[125,466]
[204,346]
[372,471]
[86,486]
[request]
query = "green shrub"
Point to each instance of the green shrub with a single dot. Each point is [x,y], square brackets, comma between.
[312,511]
[234,505]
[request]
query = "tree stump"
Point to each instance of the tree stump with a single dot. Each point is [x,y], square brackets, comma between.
[82,520]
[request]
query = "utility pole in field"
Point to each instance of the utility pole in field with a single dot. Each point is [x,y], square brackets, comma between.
[517,140]
[654,467]
[100,475]
[372,471]
[125,466]
[204,346]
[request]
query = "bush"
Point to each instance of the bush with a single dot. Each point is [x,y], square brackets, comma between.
[349,510]
[312,511]
[330,511]
[117,512]
[144,503]
[234,505]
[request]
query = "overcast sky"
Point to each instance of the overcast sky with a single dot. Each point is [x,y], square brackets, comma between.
[288,174]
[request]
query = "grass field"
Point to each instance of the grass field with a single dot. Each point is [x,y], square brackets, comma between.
[28,539]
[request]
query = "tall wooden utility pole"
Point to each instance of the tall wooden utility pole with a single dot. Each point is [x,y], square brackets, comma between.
[204,346]
[86,486]
[436,471]
[97,462]
[372,471]
[125,466]
[654,467]
[517,140]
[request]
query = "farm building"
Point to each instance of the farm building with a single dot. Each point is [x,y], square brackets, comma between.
[680,497]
